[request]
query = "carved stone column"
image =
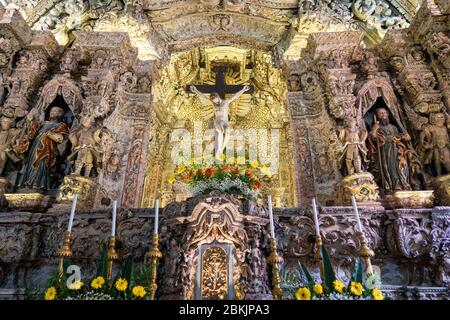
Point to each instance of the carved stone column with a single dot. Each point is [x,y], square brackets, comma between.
[117,87]
[30,71]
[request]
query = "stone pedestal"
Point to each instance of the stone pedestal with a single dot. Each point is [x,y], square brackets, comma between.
[28,201]
[409,199]
[75,184]
[441,188]
[360,185]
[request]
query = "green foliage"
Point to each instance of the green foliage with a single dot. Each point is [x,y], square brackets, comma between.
[103,262]
[141,274]
[357,273]
[127,269]
[328,271]
[307,274]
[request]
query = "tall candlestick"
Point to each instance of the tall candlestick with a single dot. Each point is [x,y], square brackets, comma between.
[272,227]
[114,216]
[355,210]
[155,228]
[316,216]
[72,212]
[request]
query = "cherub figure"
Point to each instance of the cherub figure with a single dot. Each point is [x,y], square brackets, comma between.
[86,142]
[7,135]
[354,150]
[434,139]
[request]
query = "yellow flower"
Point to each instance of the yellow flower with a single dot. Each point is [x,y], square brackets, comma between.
[338,285]
[76,285]
[266,171]
[121,284]
[240,160]
[181,169]
[254,164]
[303,294]
[50,294]
[377,294]
[171,179]
[318,289]
[221,157]
[356,288]
[97,282]
[139,291]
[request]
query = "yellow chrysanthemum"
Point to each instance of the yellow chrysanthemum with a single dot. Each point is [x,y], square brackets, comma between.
[377,294]
[121,284]
[171,179]
[76,285]
[356,288]
[98,282]
[139,291]
[254,164]
[50,294]
[338,285]
[303,294]
[318,289]
[181,169]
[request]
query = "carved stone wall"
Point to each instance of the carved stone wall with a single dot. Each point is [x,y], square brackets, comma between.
[337,79]
[99,77]
[411,246]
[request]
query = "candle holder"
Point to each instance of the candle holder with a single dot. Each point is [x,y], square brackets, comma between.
[365,252]
[111,256]
[318,255]
[155,255]
[274,260]
[64,252]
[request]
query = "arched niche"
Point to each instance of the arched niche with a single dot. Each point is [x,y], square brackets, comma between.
[376,91]
[64,93]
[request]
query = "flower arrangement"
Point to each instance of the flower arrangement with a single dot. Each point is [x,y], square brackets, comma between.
[331,288]
[126,286]
[239,178]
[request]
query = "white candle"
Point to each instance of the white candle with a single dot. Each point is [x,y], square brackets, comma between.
[72,212]
[355,210]
[272,228]
[155,228]
[316,217]
[114,216]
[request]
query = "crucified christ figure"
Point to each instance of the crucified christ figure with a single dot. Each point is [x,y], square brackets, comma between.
[221,107]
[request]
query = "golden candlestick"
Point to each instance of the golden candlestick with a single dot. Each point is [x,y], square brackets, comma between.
[64,252]
[274,260]
[318,255]
[365,252]
[155,255]
[111,256]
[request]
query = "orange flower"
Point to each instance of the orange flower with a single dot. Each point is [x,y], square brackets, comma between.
[249,172]
[209,172]
[235,170]
[256,185]
[226,167]
[187,177]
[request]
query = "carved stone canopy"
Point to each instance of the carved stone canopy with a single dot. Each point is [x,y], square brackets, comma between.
[157,26]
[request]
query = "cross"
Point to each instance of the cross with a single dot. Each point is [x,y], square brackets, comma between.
[220,86]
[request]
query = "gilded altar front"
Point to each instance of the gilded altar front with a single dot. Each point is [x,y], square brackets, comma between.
[215,273]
